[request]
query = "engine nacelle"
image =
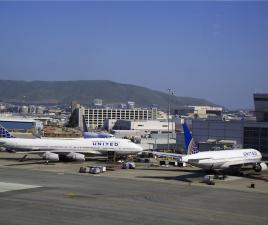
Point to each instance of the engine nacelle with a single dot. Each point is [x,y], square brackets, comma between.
[260,167]
[76,156]
[7,150]
[51,156]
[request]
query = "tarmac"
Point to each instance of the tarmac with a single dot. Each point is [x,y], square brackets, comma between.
[32,192]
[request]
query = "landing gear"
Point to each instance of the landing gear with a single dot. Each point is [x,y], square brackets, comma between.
[219,175]
[257,167]
[23,158]
[111,155]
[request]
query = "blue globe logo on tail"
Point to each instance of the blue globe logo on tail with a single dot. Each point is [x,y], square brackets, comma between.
[4,133]
[190,144]
[192,148]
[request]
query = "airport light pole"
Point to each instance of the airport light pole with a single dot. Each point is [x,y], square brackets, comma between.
[170,92]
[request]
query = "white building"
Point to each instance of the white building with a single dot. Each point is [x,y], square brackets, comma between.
[145,125]
[40,110]
[97,102]
[200,111]
[95,117]
[24,109]
[32,109]
[130,105]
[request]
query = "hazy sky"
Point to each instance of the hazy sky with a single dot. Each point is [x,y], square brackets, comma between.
[213,50]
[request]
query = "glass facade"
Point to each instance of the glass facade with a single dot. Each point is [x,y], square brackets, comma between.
[17,125]
[257,138]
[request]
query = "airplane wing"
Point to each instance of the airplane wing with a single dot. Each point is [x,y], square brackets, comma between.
[60,151]
[165,154]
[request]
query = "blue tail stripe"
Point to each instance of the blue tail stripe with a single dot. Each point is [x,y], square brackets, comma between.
[190,144]
[187,135]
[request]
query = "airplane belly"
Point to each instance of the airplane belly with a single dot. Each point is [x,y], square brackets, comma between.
[125,151]
[201,165]
[207,164]
[20,148]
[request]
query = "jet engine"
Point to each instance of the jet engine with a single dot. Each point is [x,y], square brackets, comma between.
[76,156]
[50,156]
[260,167]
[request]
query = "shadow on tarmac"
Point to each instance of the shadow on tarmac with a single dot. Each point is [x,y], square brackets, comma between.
[176,169]
[30,163]
[194,174]
[184,178]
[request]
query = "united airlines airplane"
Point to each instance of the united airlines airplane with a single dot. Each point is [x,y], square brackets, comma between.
[72,149]
[218,160]
[88,134]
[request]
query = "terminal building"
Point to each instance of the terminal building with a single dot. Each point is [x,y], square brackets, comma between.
[246,133]
[95,117]
[261,107]
[14,124]
[200,111]
[159,126]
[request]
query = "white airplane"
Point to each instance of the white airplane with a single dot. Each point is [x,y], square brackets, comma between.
[88,134]
[218,160]
[72,149]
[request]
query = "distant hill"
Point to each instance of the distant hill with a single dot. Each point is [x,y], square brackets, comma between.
[84,91]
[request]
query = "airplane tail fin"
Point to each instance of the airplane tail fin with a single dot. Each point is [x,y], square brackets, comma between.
[4,133]
[88,134]
[85,129]
[191,146]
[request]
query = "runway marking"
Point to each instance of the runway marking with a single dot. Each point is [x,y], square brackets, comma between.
[4,186]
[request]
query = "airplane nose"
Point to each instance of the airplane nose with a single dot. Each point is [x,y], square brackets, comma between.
[139,149]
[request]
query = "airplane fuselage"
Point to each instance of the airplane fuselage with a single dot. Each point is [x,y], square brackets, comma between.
[223,159]
[81,145]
